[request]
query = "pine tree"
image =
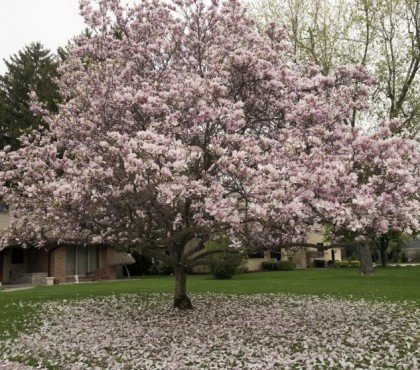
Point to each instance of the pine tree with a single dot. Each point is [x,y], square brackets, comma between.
[32,69]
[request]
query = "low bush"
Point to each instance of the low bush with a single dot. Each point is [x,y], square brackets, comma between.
[354,263]
[286,265]
[341,264]
[224,265]
[404,257]
[270,266]
[330,263]
[319,263]
[160,268]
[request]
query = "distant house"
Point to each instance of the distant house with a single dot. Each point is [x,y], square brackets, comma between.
[33,265]
[412,249]
[302,256]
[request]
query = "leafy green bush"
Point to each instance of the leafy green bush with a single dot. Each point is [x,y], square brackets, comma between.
[354,263]
[278,266]
[160,268]
[342,264]
[404,258]
[270,266]
[224,265]
[286,265]
[319,263]
[330,263]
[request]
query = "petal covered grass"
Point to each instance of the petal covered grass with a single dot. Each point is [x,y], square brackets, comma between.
[259,331]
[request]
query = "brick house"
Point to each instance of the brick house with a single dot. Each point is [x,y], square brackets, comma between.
[33,265]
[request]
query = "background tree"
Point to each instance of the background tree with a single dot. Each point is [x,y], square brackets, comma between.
[381,35]
[32,69]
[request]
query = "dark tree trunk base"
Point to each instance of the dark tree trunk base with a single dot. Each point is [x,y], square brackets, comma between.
[183,303]
[365,258]
[384,250]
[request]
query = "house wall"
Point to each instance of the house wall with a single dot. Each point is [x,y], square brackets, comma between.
[106,256]
[337,254]
[37,260]
[255,264]
[304,258]
[9,267]
[58,265]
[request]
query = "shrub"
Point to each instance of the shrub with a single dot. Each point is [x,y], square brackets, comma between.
[270,266]
[161,268]
[286,265]
[404,258]
[342,263]
[354,263]
[330,263]
[224,265]
[319,263]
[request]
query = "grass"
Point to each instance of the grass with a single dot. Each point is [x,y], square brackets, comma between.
[391,284]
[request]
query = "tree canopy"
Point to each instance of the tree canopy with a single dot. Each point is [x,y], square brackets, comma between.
[32,69]
[182,124]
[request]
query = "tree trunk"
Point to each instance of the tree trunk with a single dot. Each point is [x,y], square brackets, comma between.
[181,300]
[384,250]
[365,258]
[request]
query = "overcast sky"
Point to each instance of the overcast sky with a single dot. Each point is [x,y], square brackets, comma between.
[52,22]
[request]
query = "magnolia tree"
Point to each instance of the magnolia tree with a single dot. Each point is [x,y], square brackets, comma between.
[374,188]
[182,124]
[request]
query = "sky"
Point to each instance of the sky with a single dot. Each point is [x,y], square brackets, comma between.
[52,22]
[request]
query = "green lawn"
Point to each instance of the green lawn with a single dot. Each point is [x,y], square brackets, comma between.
[392,284]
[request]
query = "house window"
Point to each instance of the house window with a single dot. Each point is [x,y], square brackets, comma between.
[259,254]
[276,255]
[333,254]
[81,260]
[18,256]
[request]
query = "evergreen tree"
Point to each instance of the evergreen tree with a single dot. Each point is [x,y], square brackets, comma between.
[32,69]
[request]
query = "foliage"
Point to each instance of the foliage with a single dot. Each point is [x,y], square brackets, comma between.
[382,35]
[404,258]
[225,264]
[286,265]
[330,263]
[342,264]
[32,69]
[270,266]
[350,252]
[160,268]
[396,247]
[141,266]
[278,266]
[319,263]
